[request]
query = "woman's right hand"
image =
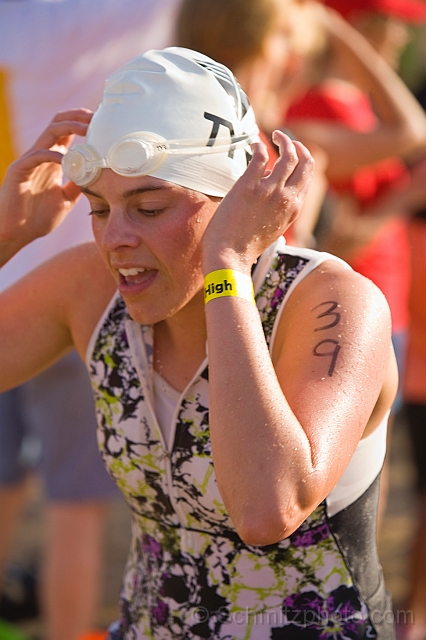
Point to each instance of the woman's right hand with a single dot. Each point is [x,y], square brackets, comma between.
[33,200]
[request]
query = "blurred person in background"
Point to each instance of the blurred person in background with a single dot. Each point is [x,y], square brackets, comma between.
[54,56]
[267,45]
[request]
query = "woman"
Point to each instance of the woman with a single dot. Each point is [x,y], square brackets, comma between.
[252,514]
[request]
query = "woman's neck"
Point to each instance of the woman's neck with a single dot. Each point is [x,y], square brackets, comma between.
[180,344]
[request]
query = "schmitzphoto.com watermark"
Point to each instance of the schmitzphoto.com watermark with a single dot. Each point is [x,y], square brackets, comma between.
[302,618]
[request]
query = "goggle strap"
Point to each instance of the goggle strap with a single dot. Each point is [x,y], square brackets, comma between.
[213,145]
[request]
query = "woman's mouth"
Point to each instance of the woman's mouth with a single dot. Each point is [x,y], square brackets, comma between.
[135,279]
[135,275]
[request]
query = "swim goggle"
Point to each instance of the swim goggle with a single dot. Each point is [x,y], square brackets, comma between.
[141,153]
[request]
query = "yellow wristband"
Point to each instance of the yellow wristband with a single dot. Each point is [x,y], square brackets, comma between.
[226,282]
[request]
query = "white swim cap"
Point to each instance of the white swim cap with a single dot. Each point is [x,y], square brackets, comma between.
[173,114]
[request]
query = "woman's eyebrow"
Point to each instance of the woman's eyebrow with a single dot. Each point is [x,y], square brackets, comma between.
[130,193]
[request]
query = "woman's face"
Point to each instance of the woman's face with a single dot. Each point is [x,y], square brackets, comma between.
[149,233]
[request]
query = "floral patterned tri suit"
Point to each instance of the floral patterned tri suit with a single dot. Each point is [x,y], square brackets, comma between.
[188,574]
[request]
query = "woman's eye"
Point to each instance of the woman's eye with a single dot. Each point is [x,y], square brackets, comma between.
[150,212]
[98,212]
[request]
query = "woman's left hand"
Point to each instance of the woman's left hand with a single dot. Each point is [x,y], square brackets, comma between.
[260,206]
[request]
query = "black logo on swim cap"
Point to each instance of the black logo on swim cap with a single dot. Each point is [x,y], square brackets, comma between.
[230,84]
[217,121]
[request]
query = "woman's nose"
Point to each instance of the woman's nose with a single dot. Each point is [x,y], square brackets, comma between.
[119,231]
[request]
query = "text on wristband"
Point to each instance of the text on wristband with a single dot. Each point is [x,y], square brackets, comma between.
[227,283]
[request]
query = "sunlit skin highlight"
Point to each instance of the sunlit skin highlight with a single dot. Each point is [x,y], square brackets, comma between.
[152,224]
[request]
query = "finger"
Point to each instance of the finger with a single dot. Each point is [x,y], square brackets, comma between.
[300,164]
[287,160]
[257,165]
[304,170]
[60,133]
[305,165]
[22,168]
[81,115]
[71,192]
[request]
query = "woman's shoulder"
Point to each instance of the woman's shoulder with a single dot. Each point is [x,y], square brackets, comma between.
[81,256]
[82,271]
[84,285]
[332,286]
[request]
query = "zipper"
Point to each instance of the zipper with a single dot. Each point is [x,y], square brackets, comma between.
[144,370]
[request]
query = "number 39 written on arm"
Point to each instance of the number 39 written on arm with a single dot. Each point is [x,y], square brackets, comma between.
[328,347]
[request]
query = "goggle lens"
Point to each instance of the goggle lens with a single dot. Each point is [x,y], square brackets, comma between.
[135,156]
[80,165]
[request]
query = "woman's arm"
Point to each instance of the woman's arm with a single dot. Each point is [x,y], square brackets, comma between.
[283,430]
[56,306]
[50,311]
